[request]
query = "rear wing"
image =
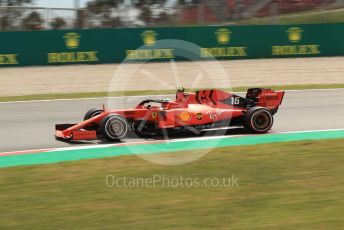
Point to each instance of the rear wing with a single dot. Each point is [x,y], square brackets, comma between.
[266,98]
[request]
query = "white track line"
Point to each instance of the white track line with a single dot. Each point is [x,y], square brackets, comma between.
[25,151]
[311,131]
[146,96]
[154,141]
[81,99]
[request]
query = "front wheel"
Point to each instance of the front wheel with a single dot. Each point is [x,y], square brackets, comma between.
[113,128]
[92,113]
[258,120]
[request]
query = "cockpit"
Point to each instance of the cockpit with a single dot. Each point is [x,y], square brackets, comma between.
[158,104]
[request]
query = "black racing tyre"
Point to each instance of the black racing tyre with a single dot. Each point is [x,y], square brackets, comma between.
[113,128]
[258,120]
[92,113]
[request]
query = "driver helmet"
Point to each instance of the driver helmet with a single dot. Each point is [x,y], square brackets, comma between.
[181,89]
[180,94]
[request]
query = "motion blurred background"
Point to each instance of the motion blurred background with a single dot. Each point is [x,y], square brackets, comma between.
[68,14]
[290,185]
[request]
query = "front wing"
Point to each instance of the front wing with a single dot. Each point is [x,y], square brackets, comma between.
[75,135]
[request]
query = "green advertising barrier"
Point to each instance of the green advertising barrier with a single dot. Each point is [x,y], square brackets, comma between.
[141,44]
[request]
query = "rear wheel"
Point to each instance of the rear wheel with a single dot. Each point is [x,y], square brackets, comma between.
[258,120]
[113,128]
[92,113]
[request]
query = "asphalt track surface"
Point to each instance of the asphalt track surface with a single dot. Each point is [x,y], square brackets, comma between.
[30,125]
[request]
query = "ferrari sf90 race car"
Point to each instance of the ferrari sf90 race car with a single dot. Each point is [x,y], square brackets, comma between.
[203,110]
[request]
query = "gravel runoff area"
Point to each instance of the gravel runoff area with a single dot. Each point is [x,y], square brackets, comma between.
[168,75]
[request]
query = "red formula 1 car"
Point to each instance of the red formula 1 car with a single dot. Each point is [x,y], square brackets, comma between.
[199,111]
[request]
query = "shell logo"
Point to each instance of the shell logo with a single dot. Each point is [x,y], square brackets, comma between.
[184,116]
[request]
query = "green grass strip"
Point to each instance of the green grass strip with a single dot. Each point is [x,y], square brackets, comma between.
[74,155]
[284,186]
[153,92]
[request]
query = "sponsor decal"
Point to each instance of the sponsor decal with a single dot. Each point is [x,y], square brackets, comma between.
[205,97]
[199,116]
[150,54]
[295,35]
[72,41]
[129,113]
[270,98]
[8,59]
[214,115]
[223,37]
[154,115]
[149,38]
[184,116]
